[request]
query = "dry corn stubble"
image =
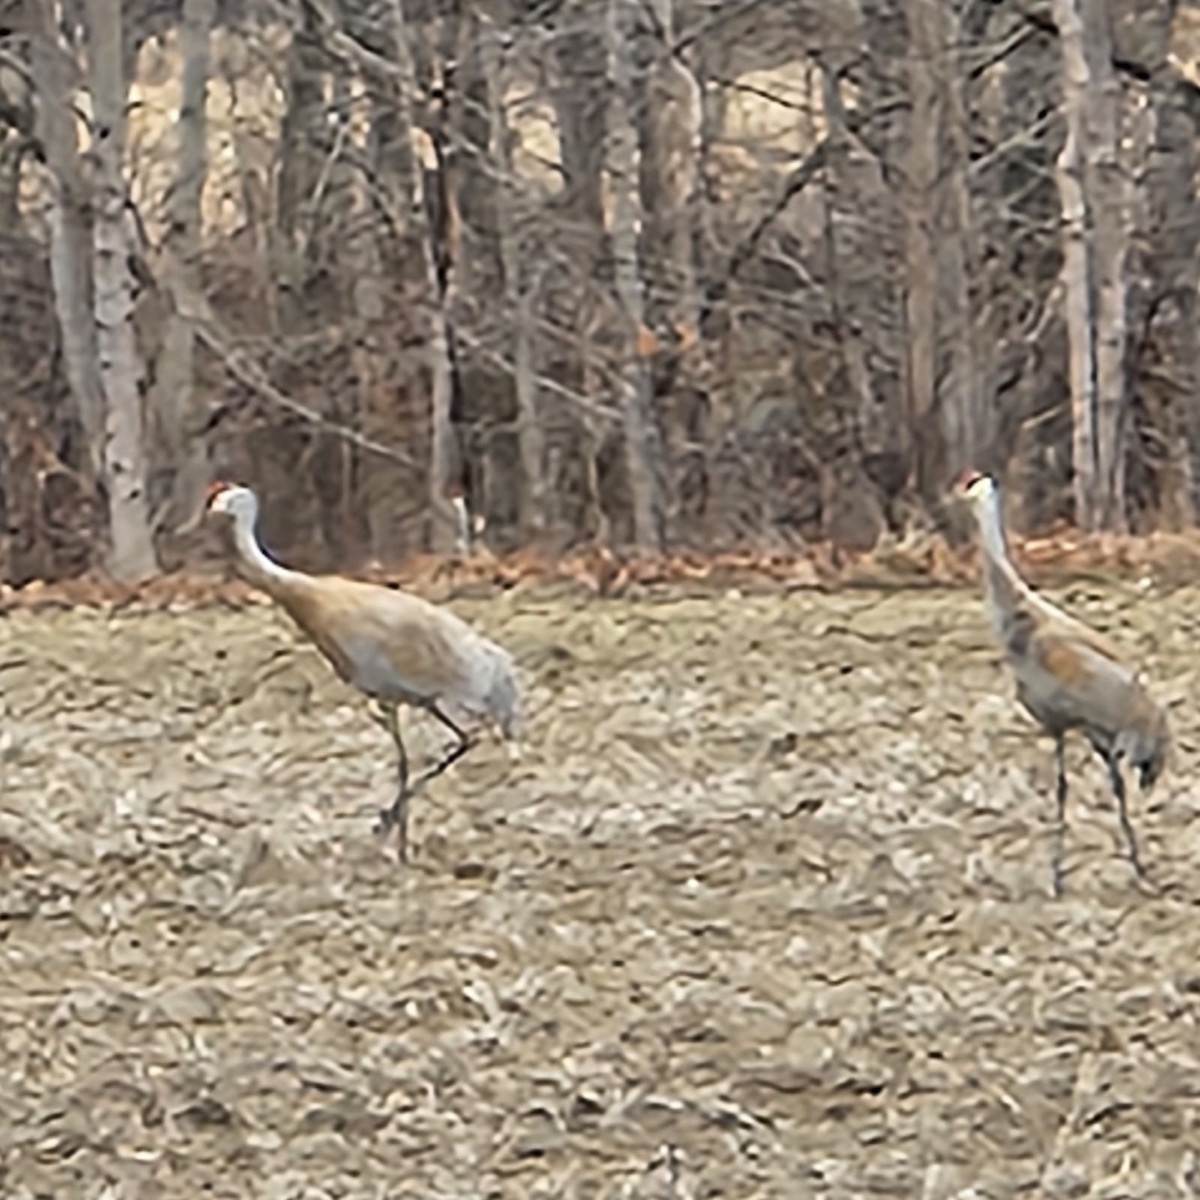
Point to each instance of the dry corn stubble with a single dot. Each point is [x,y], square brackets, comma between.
[761,912]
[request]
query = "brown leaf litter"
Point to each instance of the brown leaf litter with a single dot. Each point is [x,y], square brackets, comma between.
[761,912]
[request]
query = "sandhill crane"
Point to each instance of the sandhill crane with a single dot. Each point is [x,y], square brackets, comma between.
[395,648]
[1068,676]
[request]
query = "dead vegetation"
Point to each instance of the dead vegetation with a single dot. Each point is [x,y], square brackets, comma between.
[762,912]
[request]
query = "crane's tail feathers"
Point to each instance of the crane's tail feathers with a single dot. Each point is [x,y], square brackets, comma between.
[1148,754]
[504,704]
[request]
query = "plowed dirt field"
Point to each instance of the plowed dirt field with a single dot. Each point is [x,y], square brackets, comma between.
[763,911]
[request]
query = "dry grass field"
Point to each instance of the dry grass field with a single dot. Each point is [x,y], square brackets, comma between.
[762,912]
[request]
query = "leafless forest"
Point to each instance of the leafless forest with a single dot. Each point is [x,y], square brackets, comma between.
[665,274]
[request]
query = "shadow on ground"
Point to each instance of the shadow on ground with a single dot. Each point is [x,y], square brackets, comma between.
[762,912]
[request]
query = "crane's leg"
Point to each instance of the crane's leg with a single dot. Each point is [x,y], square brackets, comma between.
[396,817]
[1117,780]
[465,743]
[1060,830]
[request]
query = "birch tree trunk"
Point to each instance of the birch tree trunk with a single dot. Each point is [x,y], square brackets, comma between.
[70,226]
[181,419]
[1107,193]
[1096,212]
[1077,283]
[131,550]
[635,385]
[443,524]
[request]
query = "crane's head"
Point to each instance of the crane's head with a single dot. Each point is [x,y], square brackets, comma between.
[974,486]
[231,499]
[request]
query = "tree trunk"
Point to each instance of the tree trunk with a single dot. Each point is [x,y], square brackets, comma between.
[443,524]
[851,514]
[131,552]
[391,401]
[1172,236]
[70,227]
[921,174]
[579,106]
[1096,203]
[571,439]
[671,122]
[181,418]
[965,406]
[854,351]
[1107,193]
[641,442]
[302,135]
[1069,174]
[518,301]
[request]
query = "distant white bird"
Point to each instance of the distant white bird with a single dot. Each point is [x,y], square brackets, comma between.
[394,647]
[1068,676]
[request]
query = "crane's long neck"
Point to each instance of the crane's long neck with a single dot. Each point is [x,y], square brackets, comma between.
[1006,590]
[262,569]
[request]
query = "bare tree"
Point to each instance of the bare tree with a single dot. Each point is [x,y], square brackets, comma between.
[517,295]
[640,434]
[442,455]
[131,554]
[574,437]
[301,134]
[1080,307]
[851,512]
[1108,194]
[180,415]
[1166,315]
[966,403]
[1095,232]
[671,108]
[55,77]
[921,174]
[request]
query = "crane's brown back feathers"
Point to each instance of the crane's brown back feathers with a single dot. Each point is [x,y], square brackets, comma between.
[1067,682]
[394,645]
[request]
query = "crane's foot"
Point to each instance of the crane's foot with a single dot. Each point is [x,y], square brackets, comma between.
[1057,874]
[396,818]
[1135,861]
[1131,845]
[1132,853]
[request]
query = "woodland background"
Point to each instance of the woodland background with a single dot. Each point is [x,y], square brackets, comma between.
[662,274]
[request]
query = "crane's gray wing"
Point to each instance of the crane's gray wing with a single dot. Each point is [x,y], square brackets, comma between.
[1068,684]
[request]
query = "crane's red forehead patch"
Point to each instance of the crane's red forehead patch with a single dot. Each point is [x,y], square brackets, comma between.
[215,490]
[964,479]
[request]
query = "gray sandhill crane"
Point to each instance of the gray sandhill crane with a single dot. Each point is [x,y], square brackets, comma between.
[395,648]
[1068,676]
